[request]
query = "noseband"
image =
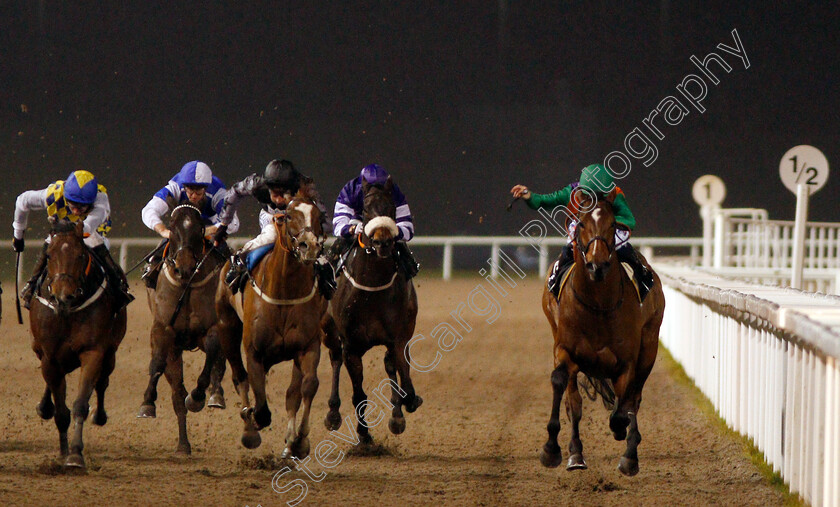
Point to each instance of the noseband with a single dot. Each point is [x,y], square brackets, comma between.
[294,240]
[584,249]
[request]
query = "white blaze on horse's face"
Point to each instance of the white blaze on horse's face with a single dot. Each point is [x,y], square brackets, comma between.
[306,236]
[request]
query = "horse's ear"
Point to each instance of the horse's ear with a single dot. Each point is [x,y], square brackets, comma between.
[389,184]
[610,197]
[365,186]
[52,221]
[80,228]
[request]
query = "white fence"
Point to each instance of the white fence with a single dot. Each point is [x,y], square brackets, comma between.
[448,243]
[769,244]
[769,361]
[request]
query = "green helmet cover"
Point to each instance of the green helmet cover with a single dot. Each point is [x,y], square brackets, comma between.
[596,179]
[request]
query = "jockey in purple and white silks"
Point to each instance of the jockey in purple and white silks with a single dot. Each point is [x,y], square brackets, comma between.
[195,185]
[347,217]
[78,198]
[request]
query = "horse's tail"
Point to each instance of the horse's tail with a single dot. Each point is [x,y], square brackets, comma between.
[595,386]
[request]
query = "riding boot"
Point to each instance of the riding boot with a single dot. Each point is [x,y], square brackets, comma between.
[29,289]
[326,277]
[115,275]
[236,274]
[152,269]
[405,260]
[644,277]
[566,258]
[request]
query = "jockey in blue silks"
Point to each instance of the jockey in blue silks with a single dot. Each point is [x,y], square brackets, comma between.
[347,218]
[78,198]
[196,185]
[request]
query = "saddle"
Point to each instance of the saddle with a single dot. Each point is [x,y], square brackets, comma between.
[560,275]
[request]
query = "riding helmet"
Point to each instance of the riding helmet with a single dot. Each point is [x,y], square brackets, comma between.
[81,187]
[596,179]
[374,174]
[195,174]
[282,174]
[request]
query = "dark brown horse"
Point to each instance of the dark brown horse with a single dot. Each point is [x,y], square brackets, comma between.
[375,305]
[601,330]
[279,316]
[75,322]
[190,271]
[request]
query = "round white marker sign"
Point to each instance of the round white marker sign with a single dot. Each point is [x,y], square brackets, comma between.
[708,190]
[806,165]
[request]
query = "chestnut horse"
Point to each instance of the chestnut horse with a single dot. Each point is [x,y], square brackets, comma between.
[280,316]
[601,330]
[75,322]
[190,271]
[375,305]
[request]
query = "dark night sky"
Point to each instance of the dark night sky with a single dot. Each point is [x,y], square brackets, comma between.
[457,99]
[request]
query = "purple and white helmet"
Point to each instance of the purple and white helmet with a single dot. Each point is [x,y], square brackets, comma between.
[374,174]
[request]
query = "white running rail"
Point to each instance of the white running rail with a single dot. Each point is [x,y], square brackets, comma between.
[769,360]
[760,243]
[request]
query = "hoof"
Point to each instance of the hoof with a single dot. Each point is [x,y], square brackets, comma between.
[146,411]
[396,426]
[74,461]
[414,405]
[576,462]
[299,450]
[45,410]
[185,449]
[332,421]
[628,467]
[100,418]
[193,404]
[365,438]
[551,459]
[251,439]
[217,400]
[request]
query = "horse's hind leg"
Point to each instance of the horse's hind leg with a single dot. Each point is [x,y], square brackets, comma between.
[217,392]
[195,400]
[101,417]
[56,384]
[333,343]
[551,455]
[45,407]
[307,365]
[175,376]
[574,411]
[353,362]
[91,362]
[397,422]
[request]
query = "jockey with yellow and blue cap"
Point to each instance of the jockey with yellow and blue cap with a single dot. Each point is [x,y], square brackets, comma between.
[78,198]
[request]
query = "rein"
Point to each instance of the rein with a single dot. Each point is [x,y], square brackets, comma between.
[367,288]
[84,304]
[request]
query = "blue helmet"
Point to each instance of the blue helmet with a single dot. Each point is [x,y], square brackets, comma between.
[195,173]
[81,187]
[374,174]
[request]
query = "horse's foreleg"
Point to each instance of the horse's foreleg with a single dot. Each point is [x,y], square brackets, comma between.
[175,376]
[101,417]
[624,402]
[156,367]
[574,411]
[230,341]
[401,359]
[308,387]
[195,400]
[353,363]
[293,399]
[333,344]
[91,362]
[397,422]
[56,384]
[551,455]
[217,392]
[629,462]
[45,407]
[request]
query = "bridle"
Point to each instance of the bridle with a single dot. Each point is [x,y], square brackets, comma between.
[295,241]
[170,259]
[584,249]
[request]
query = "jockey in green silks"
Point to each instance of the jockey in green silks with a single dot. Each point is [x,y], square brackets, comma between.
[595,179]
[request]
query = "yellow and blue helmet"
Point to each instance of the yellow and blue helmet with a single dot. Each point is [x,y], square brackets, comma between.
[81,187]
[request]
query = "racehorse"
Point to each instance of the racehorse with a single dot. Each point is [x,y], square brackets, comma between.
[280,316]
[75,322]
[190,271]
[375,304]
[601,330]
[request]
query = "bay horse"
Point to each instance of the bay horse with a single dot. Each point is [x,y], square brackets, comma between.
[375,304]
[76,322]
[280,316]
[601,330]
[191,268]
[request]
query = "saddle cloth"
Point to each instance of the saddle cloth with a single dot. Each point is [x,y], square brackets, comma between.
[567,270]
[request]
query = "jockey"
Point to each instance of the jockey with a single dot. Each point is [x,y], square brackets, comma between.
[274,190]
[80,197]
[347,219]
[597,180]
[194,184]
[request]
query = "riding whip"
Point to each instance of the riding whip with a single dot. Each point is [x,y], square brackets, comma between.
[510,205]
[145,258]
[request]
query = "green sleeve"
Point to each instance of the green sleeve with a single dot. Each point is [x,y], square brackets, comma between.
[559,198]
[623,215]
